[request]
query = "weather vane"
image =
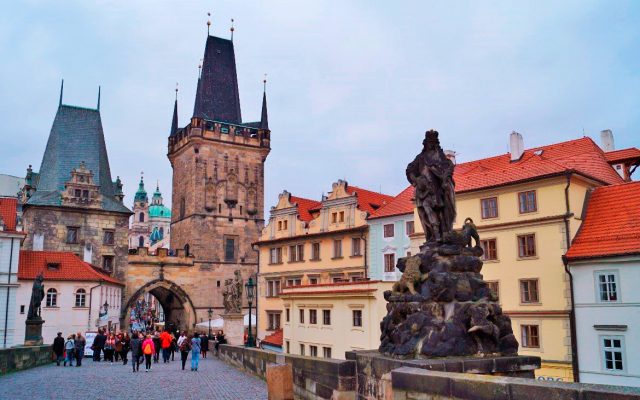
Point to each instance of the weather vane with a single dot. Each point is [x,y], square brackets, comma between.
[264,82]
[176,90]
[232,29]
[208,22]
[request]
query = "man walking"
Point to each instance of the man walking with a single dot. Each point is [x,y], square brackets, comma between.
[165,342]
[79,352]
[58,348]
[98,344]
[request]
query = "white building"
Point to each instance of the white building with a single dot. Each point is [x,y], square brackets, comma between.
[10,238]
[78,296]
[604,260]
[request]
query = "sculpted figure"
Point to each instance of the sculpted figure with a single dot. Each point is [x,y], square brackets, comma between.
[226,295]
[411,277]
[232,294]
[469,231]
[431,173]
[37,294]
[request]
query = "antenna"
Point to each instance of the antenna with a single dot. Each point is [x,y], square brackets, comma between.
[208,22]
[232,29]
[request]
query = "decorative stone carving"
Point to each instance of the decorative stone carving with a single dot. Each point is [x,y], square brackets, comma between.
[37,295]
[232,294]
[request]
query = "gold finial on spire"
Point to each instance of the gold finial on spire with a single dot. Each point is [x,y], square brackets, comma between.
[232,29]
[208,22]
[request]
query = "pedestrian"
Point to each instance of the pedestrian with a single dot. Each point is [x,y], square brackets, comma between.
[156,343]
[109,347]
[69,346]
[165,342]
[183,336]
[148,349]
[174,345]
[195,352]
[81,342]
[204,345]
[126,343]
[184,346]
[58,348]
[117,348]
[98,344]
[136,345]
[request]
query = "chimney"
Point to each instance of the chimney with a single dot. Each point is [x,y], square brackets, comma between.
[451,155]
[606,140]
[516,146]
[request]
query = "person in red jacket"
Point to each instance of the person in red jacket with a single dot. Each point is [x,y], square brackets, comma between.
[148,349]
[165,343]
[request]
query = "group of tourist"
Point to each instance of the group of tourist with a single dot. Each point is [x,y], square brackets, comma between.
[142,346]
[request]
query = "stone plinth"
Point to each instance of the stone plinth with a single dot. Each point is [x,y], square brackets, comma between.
[280,381]
[33,332]
[374,369]
[234,329]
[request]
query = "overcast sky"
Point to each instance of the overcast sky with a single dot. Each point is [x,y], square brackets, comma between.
[352,85]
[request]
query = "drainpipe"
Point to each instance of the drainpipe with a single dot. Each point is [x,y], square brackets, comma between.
[572,312]
[366,268]
[6,310]
[257,291]
[90,299]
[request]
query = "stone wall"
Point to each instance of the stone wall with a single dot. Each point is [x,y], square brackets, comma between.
[19,358]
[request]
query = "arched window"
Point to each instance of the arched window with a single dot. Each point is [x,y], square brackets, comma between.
[81,298]
[141,241]
[141,217]
[186,249]
[162,231]
[52,298]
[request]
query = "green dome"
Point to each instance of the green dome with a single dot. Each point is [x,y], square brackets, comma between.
[141,194]
[159,211]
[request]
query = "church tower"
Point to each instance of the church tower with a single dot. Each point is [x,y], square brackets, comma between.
[218,179]
[139,231]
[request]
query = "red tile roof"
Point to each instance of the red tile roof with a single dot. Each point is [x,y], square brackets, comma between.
[622,155]
[612,223]
[275,339]
[304,206]
[71,267]
[581,155]
[400,205]
[8,212]
[367,200]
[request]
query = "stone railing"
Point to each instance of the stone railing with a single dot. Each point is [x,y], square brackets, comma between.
[24,357]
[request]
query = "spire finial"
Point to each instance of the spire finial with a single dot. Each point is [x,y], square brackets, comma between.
[98,98]
[232,29]
[264,83]
[208,22]
[61,90]
[176,91]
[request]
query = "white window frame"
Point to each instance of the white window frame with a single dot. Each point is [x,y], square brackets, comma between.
[603,349]
[596,279]
[393,231]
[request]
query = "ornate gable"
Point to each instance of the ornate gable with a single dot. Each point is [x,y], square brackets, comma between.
[80,190]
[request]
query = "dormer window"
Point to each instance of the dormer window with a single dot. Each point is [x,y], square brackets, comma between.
[53,266]
[85,194]
[77,192]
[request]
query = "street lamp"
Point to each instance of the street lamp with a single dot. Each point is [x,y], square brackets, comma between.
[250,286]
[210,312]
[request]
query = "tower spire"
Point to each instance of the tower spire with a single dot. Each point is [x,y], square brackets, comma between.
[61,90]
[264,119]
[98,99]
[232,29]
[174,121]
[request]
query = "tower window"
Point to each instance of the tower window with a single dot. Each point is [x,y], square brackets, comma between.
[141,241]
[219,208]
[141,217]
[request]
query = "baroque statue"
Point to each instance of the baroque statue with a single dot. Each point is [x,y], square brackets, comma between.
[232,294]
[441,306]
[37,295]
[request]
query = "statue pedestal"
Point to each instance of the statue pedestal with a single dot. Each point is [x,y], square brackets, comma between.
[234,329]
[33,332]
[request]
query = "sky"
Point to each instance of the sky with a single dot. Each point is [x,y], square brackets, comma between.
[352,85]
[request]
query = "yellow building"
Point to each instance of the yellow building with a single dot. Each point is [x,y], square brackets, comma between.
[527,206]
[309,242]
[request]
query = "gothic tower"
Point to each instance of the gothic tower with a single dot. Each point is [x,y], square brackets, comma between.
[218,179]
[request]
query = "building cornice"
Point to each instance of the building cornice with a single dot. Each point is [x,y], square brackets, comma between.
[362,228]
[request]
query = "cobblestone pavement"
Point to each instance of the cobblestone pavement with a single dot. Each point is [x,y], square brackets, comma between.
[213,380]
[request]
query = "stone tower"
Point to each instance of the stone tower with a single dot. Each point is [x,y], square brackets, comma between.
[139,231]
[218,180]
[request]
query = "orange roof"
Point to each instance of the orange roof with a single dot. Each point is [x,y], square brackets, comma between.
[367,200]
[582,156]
[612,223]
[304,206]
[70,267]
[400,205]
[622,155]
[275,339]
[8,212]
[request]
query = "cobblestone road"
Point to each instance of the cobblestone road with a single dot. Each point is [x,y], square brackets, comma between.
[213,380]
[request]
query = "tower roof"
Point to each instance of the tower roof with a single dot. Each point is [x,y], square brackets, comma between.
[141,194]
[264,119]
[76,136]
[174,121]
[217,96]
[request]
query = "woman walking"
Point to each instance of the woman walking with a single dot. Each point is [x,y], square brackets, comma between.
[126,343]
[195,352]
[69,346]
[136,346]
[185,346]
[109,347]
[80,344]
[204,345]
[148,349]
[117,348]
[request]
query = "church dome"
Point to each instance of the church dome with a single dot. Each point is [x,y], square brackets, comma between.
[159,211]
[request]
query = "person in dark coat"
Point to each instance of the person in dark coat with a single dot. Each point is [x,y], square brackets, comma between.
[157,346]
[80,343]
[136,351]
[58,348]
[98,344]
[204,345]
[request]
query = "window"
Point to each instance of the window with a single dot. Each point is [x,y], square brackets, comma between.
[301,349]
[72,234]
[275,255]
[81,297]
[229,249]
[529,291]
[313,281]
[357,277]
[107,263]
[410,227]
[240,210]
[388,230]
[489,207]
[526,246]
[296,253]
[326,352]
[52,298]
[612,353]
[287,314]
[490,249]
[527,201]
[288,347]
[341,216]
[607,288]
[389,262]
[302,315]
[77,192]
[273,288]
[108,237]
[530,336]
[141,217]
[315,251]
[53,266]
[334,217]
[284,225]
[294,282]
[274,321]
[22,309]
[337,248]
[326,317]
[279,225]
[141,241]
[187,248]
[313,351]
[355,247]
[182,208]
[219,208]
[357,317]
[495,288]
[313,316]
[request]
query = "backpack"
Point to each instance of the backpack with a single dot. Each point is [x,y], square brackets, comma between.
[147,349]
[185,345]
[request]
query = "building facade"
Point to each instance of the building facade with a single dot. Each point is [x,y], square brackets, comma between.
[11,236]
[72,204]
[604,260]
[307,242]
[151,221]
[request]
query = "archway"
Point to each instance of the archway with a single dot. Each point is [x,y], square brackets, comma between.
[179,311]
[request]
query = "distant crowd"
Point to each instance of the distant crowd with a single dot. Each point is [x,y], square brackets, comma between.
[112,347]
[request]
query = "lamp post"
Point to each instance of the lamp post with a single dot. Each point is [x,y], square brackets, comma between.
[210,312]
[250,286]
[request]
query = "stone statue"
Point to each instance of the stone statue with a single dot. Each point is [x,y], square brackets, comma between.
[431,173]
[37,295]
[232,294]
